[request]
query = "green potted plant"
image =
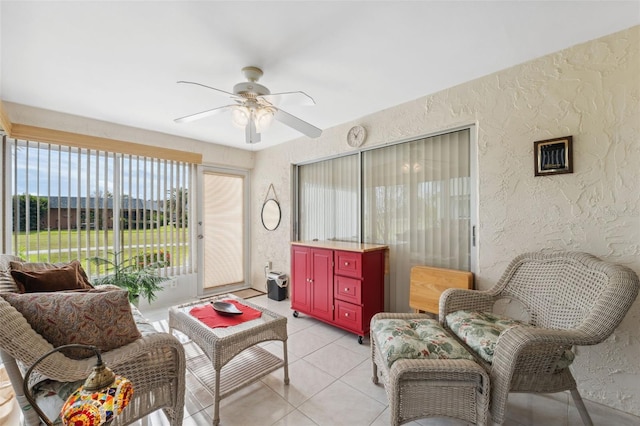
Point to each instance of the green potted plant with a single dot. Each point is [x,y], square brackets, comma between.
[137,274]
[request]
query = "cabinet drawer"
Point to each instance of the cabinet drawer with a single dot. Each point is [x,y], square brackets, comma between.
[347,289]
[348,315]
[348,264]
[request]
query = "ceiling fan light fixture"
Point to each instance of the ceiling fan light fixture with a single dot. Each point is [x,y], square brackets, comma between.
[255,107]
[240,116]
[264,117]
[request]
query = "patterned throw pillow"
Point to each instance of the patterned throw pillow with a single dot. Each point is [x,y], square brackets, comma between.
[96,317]
[48,277]
[416,339]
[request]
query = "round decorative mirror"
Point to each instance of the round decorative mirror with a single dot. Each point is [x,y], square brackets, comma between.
[270,214]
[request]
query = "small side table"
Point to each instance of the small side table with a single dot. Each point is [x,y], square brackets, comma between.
[233,351]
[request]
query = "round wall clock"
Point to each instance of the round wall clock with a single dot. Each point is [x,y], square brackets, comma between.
[356,136]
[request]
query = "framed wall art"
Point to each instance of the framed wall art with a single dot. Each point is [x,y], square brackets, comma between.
[553,156]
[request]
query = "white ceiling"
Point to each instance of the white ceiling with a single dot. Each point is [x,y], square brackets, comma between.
[119,61]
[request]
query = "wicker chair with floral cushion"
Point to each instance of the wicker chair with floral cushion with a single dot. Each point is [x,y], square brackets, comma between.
[153,361]
[568,299]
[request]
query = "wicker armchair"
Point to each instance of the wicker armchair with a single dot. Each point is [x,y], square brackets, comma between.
[571,299]
[155,364]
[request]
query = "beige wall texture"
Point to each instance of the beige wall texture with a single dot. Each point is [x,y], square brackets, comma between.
[590,91]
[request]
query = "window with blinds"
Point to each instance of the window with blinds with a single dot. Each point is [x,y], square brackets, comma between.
[413,196]
[417,198]
[74,203]
[328,200]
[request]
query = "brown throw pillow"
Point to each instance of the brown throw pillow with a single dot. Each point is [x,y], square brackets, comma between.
[46,277]
[96,317]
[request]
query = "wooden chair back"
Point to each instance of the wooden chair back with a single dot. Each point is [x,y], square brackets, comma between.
[428,283]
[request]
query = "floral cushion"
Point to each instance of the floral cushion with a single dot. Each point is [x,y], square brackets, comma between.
[416,339]
[480,331]
[51,396]
[95,317]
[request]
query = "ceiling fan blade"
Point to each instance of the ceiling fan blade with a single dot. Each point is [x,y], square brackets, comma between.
[208,87]
[251,135]
[203,114]
[289,98]
[298,124]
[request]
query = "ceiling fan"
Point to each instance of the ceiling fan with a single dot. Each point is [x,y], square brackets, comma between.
[255,107]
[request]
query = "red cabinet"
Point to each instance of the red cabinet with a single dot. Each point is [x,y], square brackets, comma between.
[339,283]
[311,275]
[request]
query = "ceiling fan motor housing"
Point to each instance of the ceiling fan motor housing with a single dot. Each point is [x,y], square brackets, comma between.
[250,89]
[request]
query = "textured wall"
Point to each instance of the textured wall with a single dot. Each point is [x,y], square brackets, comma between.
[590,91]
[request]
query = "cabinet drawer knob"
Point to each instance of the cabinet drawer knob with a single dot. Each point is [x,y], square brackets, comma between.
[346,263]
[347,315]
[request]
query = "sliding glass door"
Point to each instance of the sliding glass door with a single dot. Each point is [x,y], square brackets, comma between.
[414,196]
[416,200]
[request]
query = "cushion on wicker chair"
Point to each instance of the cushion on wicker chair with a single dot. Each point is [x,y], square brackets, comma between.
[51,395]
[416,339]
[96,317]
[480,330]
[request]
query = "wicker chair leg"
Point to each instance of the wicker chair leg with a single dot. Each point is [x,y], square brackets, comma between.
[374,377]
[584,414]
[13,371]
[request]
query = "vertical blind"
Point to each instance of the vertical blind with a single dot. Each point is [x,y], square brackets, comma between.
[328,199]
[416,200]
[75,203]
[414,197]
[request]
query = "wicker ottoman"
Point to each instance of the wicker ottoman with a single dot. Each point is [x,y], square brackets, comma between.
[418,386]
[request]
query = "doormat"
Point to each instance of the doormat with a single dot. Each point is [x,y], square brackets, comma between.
[247,293]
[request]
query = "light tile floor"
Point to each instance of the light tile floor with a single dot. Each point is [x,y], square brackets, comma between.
[331,385]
